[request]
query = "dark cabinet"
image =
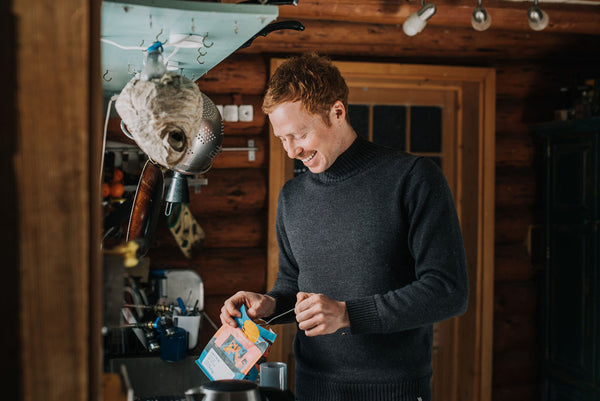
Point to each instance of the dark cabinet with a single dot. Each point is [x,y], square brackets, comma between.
[571,282]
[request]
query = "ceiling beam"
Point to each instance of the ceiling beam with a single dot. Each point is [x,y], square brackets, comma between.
[506,15]
[377,40]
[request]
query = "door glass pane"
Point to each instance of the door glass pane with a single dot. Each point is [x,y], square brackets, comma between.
[359,119]
[425,129]
[389,126]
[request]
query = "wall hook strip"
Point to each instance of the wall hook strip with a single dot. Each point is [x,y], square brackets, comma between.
[204,41]
[200,54]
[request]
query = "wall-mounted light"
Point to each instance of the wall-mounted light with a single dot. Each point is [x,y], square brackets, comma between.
[538,19]
[481,20]
[417,20]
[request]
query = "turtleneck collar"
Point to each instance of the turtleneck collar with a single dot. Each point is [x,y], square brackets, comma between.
[354,159]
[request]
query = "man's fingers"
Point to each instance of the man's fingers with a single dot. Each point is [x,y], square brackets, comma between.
[233,309]
[311,322]
[226,318]
[301,302]
[301,296]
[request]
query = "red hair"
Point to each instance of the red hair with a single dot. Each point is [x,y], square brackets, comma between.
[311,79]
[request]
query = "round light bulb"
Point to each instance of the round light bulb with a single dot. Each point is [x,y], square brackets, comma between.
[538,19]
[417,20]
[480,20]
[413,24]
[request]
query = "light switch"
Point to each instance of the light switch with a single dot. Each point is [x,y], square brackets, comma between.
[230,113]
[246,112]
[220,108]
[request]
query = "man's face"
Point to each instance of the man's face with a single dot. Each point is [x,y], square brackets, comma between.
[306,137]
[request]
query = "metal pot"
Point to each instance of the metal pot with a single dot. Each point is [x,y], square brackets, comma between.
[225,390]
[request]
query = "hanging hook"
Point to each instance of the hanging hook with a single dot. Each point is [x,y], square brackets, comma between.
[131,70]
[200,54]
[193,28]
[104,76]
[142,44]
[160,33]
[204,41]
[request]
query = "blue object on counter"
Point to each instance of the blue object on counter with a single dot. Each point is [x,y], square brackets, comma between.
[173,347]
[181,306]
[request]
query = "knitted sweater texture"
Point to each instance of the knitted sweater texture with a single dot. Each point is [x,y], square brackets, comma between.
[379,231]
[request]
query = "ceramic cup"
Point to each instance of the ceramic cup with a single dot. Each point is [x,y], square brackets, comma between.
[273,374]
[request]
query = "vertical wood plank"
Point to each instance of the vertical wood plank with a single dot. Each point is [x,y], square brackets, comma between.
[95,146]
[281,169]
[487,180]
[54,189]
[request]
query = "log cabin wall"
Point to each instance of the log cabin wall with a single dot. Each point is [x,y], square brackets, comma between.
[531,68]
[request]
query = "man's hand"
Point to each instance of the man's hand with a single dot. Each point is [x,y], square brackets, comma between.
[317,314]
[257,306]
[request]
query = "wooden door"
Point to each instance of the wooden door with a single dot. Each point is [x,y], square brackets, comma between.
[570,323]
[466,96]
[422,122]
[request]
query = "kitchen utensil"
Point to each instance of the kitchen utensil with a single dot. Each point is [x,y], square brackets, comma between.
[275,26]
[146,207]
[224,390]
[185,229]
[268,322]
[174,123]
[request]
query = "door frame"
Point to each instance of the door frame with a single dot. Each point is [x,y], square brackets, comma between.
[469,338]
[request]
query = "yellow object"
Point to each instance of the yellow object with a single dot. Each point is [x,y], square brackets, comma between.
[251,331]
[128,251]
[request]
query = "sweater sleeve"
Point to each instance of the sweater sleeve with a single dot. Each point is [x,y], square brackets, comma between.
[286,286]
[440,288]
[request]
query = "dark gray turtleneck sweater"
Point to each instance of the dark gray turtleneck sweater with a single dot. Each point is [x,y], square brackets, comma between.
[379,231]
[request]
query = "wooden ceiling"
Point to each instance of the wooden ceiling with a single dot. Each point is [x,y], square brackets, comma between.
[575,16]
[506,15]
[374,28]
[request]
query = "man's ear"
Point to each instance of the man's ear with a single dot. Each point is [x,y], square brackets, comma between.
[338,111]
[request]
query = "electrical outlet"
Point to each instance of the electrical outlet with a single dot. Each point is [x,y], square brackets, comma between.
[230,113]
[245,112]
[220,108]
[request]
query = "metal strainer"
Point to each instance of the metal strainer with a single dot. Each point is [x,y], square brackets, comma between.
[174,123]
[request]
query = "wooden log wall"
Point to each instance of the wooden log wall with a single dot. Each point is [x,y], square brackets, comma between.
[531,68]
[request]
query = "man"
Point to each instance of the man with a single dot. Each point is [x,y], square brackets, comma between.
[371,252]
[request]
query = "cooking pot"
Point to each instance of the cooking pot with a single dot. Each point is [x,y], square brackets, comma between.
[236,390]
[224,390]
